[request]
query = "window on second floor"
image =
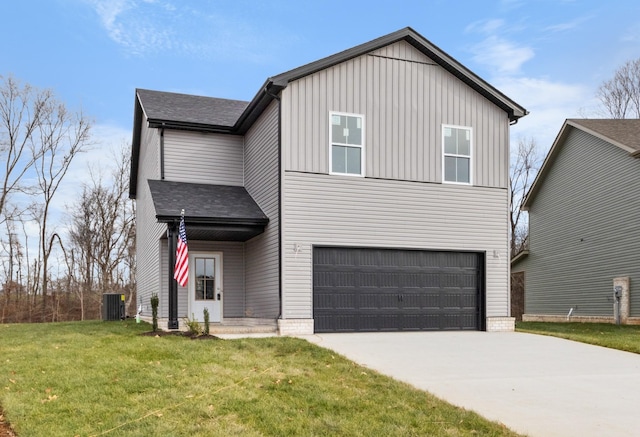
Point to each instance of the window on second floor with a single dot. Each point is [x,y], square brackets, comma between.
[456,143]
[347,144]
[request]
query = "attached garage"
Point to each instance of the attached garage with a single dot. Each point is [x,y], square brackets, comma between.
[369,289]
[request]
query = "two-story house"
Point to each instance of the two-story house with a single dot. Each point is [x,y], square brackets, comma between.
[366,191]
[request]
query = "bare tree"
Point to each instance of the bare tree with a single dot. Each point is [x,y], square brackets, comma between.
[21,112]
[524,167]
[620,95]
[60,136]
[102,232]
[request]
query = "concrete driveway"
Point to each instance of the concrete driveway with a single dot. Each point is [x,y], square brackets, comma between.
[535,385]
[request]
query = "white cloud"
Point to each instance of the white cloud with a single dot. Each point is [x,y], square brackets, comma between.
[144,27]
[549,104]
[501,55]
[485,26]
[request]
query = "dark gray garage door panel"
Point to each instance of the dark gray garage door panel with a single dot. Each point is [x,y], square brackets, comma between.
[357,289]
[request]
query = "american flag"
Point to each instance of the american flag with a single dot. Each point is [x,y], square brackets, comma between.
[181,271]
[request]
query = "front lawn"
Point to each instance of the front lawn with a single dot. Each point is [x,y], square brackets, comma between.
[105,378]
[623,337]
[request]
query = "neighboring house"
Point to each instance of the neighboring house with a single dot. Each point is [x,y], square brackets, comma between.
[584,210]
[365,191]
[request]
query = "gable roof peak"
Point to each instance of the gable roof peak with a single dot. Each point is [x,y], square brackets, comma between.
[423,45]
[619,132]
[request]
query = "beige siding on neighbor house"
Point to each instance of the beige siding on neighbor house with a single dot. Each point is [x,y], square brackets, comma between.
[261,181]
[405,99]
[149,231]
[232,277]
[364,212]
[204,158]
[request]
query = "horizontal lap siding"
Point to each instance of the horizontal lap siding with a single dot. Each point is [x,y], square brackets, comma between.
[583,230]
[405,100]
[149,230]
[204,158]
[233,266]
[262,174]
[358,212]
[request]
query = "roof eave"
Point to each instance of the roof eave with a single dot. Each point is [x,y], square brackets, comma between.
[267,93]
[520,256]
[185,125]
[214,221]
[135,148]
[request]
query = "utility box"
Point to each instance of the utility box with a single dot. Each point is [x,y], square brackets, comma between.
[113,307]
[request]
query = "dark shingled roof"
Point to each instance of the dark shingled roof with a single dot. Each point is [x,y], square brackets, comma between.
[160,106]
[205,203]
[625,133]
[212,212]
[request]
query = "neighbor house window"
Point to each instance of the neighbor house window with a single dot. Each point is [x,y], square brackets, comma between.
[456,141]
[347,144]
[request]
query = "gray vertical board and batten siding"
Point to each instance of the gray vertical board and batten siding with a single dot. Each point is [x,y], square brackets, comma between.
[584,230]
[261,181]
[405,100]
[149,231]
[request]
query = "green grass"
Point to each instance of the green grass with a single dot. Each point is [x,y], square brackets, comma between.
[624,337]
[104,378]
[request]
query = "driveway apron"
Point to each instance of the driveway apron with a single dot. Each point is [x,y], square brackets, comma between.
[535,385]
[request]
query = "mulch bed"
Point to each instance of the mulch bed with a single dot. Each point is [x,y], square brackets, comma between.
[190,335]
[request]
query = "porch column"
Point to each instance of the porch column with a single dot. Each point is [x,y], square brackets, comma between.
[173,284]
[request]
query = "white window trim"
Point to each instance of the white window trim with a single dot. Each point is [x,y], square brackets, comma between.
[361,146]
[470,129]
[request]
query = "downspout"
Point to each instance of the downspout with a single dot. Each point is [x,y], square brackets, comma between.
[162,152]
[276,98]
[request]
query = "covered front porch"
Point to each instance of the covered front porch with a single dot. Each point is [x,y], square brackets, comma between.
[226,234]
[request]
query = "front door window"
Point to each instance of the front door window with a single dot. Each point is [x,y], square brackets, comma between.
[205,278]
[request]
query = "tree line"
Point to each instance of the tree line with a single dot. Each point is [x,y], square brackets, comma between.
[62,275]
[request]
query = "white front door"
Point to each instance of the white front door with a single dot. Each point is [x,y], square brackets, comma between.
[205,286]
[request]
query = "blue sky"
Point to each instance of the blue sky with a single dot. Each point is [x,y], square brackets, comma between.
[549,56]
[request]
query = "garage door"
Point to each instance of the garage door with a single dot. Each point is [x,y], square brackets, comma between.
[364,289]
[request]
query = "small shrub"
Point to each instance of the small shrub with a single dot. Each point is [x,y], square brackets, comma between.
[206,321]
[154,311]
[193,326]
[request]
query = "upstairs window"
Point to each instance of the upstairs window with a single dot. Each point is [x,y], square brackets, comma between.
[346,153]
[456,141]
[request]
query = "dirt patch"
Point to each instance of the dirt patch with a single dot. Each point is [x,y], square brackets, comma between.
[5,428]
